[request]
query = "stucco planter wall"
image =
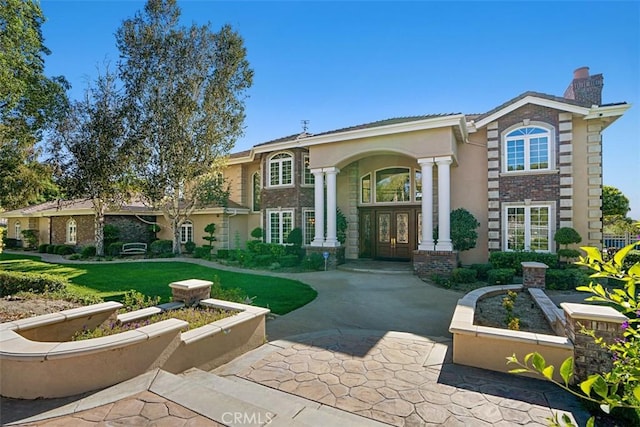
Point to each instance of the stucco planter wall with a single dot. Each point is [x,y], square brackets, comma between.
[50,367]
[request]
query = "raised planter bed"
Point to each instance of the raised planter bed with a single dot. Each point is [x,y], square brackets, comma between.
[38,360]
[486,347]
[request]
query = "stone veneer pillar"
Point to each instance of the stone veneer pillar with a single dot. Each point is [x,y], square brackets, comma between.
[594,184]
[589,357]
[190,291]
[533,274]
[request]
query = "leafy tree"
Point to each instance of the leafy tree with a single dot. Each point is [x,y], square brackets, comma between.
[88,147]
[614,202]
[29,103]
[620,387]
[463,229]
[185,88]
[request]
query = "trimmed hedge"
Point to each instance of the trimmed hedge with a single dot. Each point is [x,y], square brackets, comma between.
[463,275]
[514,259]
[482,270]
[203,252]
[289,260]
[114,249]
[14,281]
[500,276]
[314,261]
[43,248]
[158,247]
[222,253]
[64,250]
[565,279]
[88,252]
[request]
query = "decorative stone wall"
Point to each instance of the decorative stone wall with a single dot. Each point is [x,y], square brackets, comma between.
[533,274]
[336,255]
[589,357]
[132,229]
[428,263]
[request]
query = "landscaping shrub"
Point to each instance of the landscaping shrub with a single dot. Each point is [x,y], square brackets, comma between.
[277,250]
[222,254]
[203,252]
[257,247]
[161,246]
[257,233]
[10,243]
[566,236]
[314,261]
[13,282]
[481,270]
[565,279]
[75,256]
[295,237]
[514,259]
[134,300]
[88,252]
[64,249]
[111,233]
[30,237]
[43,248]
[189,247]
[500,276]
[114,249]
[463,275]
[51,249]
[290,260]
[262,260]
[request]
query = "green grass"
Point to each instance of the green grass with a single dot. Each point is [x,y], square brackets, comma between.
[111,280]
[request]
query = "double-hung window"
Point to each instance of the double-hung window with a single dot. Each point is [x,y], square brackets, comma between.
[186,232]
[527,149]
[72,231]
[528,228]
[281,170]
[308,178]
[309,224]
[280,224]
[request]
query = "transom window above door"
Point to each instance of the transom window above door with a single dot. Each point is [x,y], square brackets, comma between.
[393,185]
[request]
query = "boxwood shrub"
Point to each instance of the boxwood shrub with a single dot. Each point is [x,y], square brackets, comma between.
[203,252]
[290,260]
[565,279]
[222,253]
[65,249]
[514,259]
[14,281]
[314,261]
[88,252]
[501,276]
[43,248]
[463,275]
[51,249]
[158,247]
[114,249]
[481,270]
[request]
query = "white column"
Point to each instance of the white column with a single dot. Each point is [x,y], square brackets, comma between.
[332,239]
[444,204]
[427,204]
[318,186]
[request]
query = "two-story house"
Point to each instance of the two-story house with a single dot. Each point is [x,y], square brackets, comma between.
[524,169]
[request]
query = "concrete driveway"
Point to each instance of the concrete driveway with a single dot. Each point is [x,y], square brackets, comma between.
[375,301]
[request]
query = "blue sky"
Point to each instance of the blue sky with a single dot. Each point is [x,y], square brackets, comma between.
[340,64]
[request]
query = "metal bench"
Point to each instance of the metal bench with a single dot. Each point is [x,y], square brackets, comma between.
[134,249]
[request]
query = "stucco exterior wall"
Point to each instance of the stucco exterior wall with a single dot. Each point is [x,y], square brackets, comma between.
[427,143]
[469,191]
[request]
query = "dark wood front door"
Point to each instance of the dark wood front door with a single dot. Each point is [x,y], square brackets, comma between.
[388,233]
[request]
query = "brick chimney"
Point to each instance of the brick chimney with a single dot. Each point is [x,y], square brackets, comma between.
[585,88]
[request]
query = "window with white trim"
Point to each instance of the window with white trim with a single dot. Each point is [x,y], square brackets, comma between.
[280,224]
[528,228]
[281,170]
[527,149]
[186,232]
[256,189]
[17,228]
[309,179]
[72,231]
[309,226]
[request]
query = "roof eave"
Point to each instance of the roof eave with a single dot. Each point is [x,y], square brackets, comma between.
[530,99]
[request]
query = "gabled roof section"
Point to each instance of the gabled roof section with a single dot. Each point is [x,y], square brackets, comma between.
[545,100]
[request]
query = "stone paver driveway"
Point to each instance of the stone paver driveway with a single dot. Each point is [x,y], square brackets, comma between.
[404,380]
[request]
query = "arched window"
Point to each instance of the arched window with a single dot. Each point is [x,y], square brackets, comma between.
[393,185]
[256,189]
[186,232]
[281,170]
[72,231]
[18,229]
[527,149]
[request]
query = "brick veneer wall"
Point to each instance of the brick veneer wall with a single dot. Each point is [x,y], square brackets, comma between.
[537,187]
[85,230]
[428,263]
[297,197]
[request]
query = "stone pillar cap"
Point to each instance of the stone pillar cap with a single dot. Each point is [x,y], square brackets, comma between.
[533,264]
[190,284]
[593,312]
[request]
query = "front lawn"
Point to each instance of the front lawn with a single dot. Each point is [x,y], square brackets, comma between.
[111,280]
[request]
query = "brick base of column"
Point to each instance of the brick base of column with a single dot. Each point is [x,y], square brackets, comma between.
[428,263]
[336,255]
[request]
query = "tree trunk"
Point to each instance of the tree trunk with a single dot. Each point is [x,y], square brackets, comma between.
[99,229]
[175,226]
